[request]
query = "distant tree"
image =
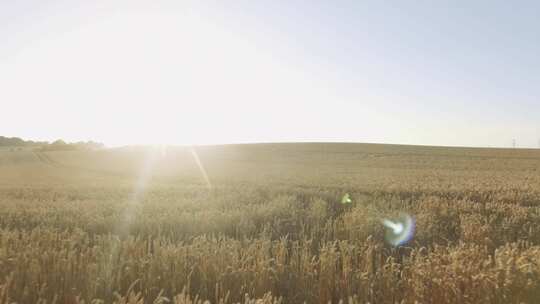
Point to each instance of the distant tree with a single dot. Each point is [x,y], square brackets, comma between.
[18,142]
[94,145]
[11,141]
[58,144]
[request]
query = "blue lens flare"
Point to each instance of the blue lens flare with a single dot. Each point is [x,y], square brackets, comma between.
[400,230]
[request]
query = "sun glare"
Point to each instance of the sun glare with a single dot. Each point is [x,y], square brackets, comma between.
[157,77]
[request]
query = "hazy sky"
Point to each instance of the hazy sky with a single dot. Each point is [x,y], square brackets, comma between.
[182,72]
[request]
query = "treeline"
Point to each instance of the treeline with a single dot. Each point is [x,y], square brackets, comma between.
[46,146]
[18,142]
[80,145]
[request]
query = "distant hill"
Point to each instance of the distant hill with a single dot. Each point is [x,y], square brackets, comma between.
[46,146]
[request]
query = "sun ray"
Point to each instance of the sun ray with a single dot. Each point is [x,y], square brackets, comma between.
[201,167]
[128,214]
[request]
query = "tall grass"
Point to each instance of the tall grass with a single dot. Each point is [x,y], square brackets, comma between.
[284,237]
[301,247]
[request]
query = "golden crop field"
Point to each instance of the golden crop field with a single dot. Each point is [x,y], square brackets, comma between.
[265,223]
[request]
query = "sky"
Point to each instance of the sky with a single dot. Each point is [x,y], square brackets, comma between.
[453,73]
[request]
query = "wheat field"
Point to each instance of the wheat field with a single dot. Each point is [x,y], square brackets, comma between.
[264,223]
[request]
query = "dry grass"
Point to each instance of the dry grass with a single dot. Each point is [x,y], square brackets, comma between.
[272,228]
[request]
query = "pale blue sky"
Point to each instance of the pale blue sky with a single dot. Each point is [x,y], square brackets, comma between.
[180,72]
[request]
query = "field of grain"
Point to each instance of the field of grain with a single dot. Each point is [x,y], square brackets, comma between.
[265,224]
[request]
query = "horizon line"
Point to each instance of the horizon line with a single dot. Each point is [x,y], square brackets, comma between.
[109,145]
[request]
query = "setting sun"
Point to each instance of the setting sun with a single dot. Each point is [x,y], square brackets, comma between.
[161,77]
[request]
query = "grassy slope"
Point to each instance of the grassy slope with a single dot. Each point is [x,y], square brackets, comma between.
[314,165]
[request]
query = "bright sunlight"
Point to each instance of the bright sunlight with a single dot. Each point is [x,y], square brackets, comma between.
[170,77]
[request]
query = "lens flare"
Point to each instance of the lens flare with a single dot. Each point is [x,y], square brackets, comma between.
[346,199]
[400,230]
